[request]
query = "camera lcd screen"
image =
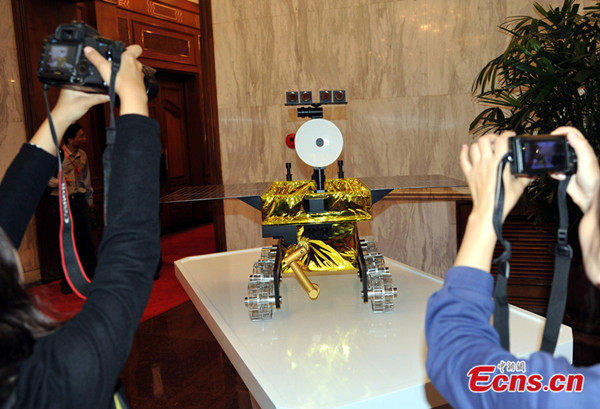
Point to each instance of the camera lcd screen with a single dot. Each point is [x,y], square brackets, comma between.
[61,57]
[544,155]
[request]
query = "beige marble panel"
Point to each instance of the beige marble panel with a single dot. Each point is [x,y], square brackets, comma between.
[11,111]
[244,55]
[326,49]
[408,68]
[279,7]
[255,149]
[428,47]
[525,8]
[242,226]
[232,10]
[412,135]
[235,10]
[422,235]
[12,126]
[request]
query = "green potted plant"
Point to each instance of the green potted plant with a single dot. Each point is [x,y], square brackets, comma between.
[548,76]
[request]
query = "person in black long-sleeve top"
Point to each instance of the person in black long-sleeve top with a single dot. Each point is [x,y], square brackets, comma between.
[77,364]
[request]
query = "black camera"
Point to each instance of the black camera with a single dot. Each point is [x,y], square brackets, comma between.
[534,155]
[63,63]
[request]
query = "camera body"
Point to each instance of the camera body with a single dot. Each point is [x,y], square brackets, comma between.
[534,155]
[64,64]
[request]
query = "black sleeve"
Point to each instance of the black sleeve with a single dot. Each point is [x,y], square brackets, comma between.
[22,187]
[93,346]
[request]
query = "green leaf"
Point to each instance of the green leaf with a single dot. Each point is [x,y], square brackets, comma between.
[547,76]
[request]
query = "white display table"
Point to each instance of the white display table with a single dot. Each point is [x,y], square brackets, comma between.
[332,352]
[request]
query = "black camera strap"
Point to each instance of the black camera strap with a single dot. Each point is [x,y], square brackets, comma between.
[111,131]
[562,254]
[500,289]
[560,282]
[71,264]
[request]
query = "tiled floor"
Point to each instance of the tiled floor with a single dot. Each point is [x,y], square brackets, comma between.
[177,363]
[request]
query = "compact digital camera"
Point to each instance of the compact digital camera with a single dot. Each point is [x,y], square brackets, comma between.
[63,63]
[536,154]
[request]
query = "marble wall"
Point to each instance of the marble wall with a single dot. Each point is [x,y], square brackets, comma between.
[12,126]
[407,67]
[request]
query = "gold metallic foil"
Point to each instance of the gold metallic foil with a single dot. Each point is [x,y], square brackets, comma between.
[338,253]
[346,200]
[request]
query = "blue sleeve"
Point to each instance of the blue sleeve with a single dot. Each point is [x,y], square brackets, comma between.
[460,337]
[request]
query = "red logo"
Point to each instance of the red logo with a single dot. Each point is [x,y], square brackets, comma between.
[484,378]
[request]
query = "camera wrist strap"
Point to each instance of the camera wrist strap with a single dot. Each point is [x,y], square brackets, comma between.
[71,265]
[111,131]
[562,254]
[500,289]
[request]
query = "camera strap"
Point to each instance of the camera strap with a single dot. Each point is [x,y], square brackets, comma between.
[71,264]
[563,253]
[562,262]
[74,273]
[111,131]
[500,289]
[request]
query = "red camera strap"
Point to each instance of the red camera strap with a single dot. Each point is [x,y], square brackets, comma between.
[71,264]
[73,270]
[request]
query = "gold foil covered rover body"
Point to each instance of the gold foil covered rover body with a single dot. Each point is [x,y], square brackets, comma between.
[345,199]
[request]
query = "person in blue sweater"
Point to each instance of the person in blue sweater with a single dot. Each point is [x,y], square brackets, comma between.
[465,361]
[72,365]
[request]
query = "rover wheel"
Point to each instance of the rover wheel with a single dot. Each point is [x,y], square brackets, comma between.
[381,292]
[261,288]
[380,289]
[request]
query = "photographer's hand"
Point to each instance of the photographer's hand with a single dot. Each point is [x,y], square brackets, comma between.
[479,163]
[130,79]
[71,106]
[584,183]
[583,189]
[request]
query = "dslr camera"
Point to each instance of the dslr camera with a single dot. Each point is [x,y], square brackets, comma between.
[534,155]
[63,63]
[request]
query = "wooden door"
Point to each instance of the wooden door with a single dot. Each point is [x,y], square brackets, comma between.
[171,111]
[196,136]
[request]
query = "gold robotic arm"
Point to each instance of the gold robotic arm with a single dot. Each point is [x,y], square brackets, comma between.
[292,262]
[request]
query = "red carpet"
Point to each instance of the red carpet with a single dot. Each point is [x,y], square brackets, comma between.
[167,293]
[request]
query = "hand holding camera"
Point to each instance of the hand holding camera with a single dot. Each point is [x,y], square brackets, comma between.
[479,163]
[538,154]
[78,60]
[77,57]
[584,182]
[130,80]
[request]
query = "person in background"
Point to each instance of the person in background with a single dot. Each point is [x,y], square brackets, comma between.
[76,364]
[459,335]
[76,171]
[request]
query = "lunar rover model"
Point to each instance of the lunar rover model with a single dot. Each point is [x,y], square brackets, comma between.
[314,223]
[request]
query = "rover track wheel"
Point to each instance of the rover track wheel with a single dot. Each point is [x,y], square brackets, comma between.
[380,288]
[261,288]
[381,292]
